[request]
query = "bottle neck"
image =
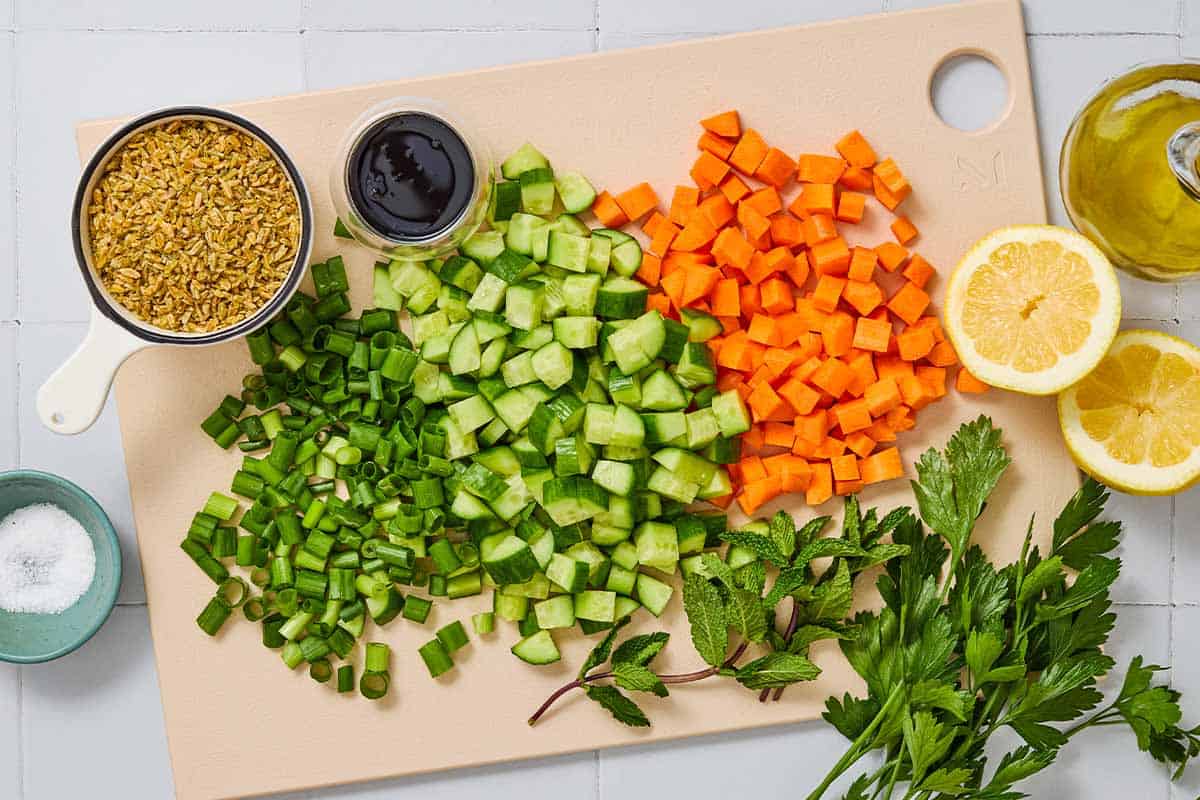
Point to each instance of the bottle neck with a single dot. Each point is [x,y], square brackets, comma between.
[1183,154]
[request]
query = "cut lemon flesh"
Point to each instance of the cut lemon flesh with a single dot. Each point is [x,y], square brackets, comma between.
[1032,308]
[1134,422]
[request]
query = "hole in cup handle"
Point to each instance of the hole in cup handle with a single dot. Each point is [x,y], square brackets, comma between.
[71,399]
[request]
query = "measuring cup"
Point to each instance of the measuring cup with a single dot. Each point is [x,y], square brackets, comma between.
[71,399]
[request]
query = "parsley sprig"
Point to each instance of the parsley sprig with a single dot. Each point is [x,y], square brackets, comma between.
[947,663]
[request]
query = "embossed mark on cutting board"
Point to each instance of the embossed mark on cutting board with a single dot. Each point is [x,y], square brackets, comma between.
[981,173]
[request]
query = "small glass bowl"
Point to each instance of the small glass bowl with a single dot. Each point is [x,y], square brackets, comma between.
[444,241]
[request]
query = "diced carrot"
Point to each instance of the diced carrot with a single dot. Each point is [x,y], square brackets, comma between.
[832,377]
[749,152]
[851,207]
[882,466]
[861,444]
[778,360]
[722,502]
[750,299]
[812,168]
[695,234]
[725,124]
[751,469]
[759,270]
[943,355]
[799,395]
[730,247]
[753,438]
[892,179]
[699,282]
[795,475]
[909,303]
[664,233]
[779,434]
[754,223]
[725,300]
[806,369]
[797,269]
[854,148]
[891,256]
[817,198]
[786,230]
[683,203]
[918,271]
[831,448]
[776,296]
[779,259]
[862,264]
[718,146]
[852,416]
[651,269]
[608,212]
[897,416]
[917,394]
[935,327]
[764,402]
[863,366]
[717,210]
[864,296]
[818,229]
[761,242]
[915,343]
[658,302]
[845,468]
[828,292]
[880,431]
[652,222]
[775,464]
[893,367]
[820,486]
[776,168]
[702,183]
[870,334]
[637,201]
[857,179]
[792,330]
[904,231]
[933,377]
[882,396]
[755,495]
[674,283]
[765,201]
[761,329]
[711,168]
[838,334]
[734,188]
[968,383]
[831,257]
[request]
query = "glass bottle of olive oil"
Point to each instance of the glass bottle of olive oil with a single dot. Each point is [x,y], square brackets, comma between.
[1129,173]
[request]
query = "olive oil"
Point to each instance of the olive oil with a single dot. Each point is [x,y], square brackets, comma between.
[1118,184]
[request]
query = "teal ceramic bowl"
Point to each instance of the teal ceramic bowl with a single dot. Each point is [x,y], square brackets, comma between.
[32,638]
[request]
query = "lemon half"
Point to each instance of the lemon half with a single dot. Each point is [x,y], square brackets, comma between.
[1134,422]
[1032,308]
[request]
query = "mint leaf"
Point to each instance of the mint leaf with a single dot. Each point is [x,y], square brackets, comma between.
[763,546]
[753,577]
[787,581]
[745,612]
[832,599]
[1083,507]
[777,669]
[600,652]
[880,554]
[827,548]
[805,635]
[783,533]
[621,707]
[852,521]
[640,649]
[706,615]
[1090,584]
[811,530]
[717,568]
[637,678]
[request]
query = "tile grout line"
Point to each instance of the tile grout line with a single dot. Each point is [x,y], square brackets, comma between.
[20,733]
[596,33]
[14,152]
[596,769]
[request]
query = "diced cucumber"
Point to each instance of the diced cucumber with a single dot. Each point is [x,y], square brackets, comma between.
[579,294]
[523,231]
[653,593]
[670,485]
[691,534]
[453,301]
[577,333]
[428,325]
[489,294]
[468,506]
[638,343]
[674,341]
[626,389]
[719,486]
[518,370]
[490,358]
[382,292]
[489,326]
[536,588]
[514,500]
[568,574]
[462,272]
[537,190]
[732,417]
[557,612]
[686,465]
[512,267]
[553,364]
[569,223]
[625,555]
[702,428]
[527,454]
[533,339]
[573,499]
[569,410]
[544,430]
[608,535]
[510,561]
[619,514]
[436,349]
[483,247]
[464,353]
[572,456]
[597,606]
[664,428]
[525,158]
[506,200]
[695,366]
[523,305]
[626,255]
[724,450]
[515,408]
[739,556]
[621,580]
[472,413]
[614,476]
[596,561]
[657,545]
[537,649]
[599,254]
[567,251]
[701,326]
[629,429]
[510,607]
[621,298]
[576,192]
[598,423]
[660,392]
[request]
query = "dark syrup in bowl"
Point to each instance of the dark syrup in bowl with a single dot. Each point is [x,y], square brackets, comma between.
[410,176]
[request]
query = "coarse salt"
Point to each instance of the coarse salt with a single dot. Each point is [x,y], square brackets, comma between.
[47,560]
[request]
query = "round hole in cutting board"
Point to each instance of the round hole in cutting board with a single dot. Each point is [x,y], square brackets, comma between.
[969,92]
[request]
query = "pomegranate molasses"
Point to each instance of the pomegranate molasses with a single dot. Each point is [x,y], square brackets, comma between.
[410,176]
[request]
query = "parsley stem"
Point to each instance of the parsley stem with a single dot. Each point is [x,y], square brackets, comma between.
[683,677]
[858,748]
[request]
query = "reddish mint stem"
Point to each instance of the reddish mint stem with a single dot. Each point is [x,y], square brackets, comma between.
[684,677]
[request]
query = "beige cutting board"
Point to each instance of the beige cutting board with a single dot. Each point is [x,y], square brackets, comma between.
[238,723]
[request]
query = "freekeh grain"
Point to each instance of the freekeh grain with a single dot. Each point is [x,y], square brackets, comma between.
[193,226]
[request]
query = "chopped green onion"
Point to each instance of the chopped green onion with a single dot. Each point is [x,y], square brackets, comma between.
[437,659]
[213,616]
[320,670]
[373,685]
[452,636]
[484,622]
[345,678]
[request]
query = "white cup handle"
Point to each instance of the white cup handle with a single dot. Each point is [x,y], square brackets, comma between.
[71,399]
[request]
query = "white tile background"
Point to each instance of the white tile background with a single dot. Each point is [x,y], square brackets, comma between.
[90,724]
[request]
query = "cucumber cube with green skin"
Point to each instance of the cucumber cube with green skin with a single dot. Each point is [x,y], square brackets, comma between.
[657,545]
[408,276]
[429,325]
[569,410]
[626,389]
[701,326]
[577,333]
[553,365]
[589,554]
[599,253]
[453,301]
[537,190]
[621,580]
[541,244]
[691,534]
[483,247]
[597,606]
[536,588]
[510,561]
[693,565]
[572,456]
[626,255]
[701,428]
[567,574]
[567,251]
[464,355]
[576,191]
[512,267]
[515,408]
[608,535]
[500,460]
[523,305]
[653,593]
[637,344]
[506,200]
[489,294]
[664,428]
[528,455]
[537,649]
[461,272]
[573,499]
[489,360]
[618,515]
[489,326]
[598,423]
[724,450]
[533,339]
[666,483]
[569,223]
[719,486]
[732,417]
[620,298]
[628,430]
[523,231]
[625,555]
[739,556]
[535,479]
[544,430]
[523,159]
[579,294]
[514,500]
[686,465]
[556,612]
[537,392]
[472,413]
[436,349]
[510,607]
[674,342]
[660,392]
[518,370]
[695,367]
[614,476]
[468,506]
